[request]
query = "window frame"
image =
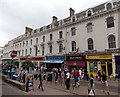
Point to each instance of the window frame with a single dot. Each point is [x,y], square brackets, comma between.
[43,38]
[111,41]
[89,27]
[51,37]
[109,6]
[73,31]
[90,44]
[30,50]
[50,48]
[60,48]
[89,13]
[27,43]
[73,44]
[31,42]
[37,40]
[60,34]
[43,50]
[110,22]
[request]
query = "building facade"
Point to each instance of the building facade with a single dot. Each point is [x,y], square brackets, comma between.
[93,33]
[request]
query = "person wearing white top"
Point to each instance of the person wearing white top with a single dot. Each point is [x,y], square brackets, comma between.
[67,82]
[80,73]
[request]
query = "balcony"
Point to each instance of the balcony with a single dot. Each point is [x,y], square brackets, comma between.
[113,50]
[42,43]
[35,45]
[50,42]
[60,40]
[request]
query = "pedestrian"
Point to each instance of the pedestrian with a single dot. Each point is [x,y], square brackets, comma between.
[117,76]
[40,76]
[99,75]
[91,84]
[62,77]
[27,85]
[82,76]
[76,74]
[80,73]
[31,83]
[56,76]
[87,76]
[67,82]
[105,83]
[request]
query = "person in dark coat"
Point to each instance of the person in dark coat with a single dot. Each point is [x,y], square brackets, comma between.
[40,76]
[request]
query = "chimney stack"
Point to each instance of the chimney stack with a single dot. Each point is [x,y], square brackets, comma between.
[72,12]
[28,30]
[54,19]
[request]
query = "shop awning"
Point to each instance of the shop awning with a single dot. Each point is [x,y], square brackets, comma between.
[9,59]
[75,63]
[53,61]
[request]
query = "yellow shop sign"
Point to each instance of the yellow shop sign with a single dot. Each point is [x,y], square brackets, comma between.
[99,57]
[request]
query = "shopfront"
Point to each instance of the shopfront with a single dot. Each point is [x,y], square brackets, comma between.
[76,62]
[117,63]
[54,62]
[37,61]
[99,62]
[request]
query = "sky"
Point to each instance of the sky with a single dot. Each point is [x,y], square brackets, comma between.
[15,15]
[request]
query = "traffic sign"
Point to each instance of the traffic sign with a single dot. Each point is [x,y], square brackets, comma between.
[13,54]
[91,93]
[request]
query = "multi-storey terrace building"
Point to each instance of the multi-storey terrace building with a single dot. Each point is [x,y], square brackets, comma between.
[89,39]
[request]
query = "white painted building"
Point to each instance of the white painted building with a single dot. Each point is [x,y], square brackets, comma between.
[94,33]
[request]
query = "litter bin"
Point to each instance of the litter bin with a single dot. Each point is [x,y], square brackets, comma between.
[49,77]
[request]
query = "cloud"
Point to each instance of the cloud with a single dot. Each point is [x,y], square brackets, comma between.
[16,14]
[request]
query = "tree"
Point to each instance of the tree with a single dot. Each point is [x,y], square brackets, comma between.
[27,64]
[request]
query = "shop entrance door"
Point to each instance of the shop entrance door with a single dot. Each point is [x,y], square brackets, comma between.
[110,69]
[103,67]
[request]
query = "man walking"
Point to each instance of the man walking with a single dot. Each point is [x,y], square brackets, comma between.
[40,76]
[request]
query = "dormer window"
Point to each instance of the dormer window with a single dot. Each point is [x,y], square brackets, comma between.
[109,6]
[89,13]
[73,19]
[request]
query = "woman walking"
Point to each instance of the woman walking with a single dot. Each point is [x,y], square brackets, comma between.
[105,83]
[91,84]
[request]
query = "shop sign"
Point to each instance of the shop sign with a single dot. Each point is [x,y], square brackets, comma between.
[75,58]
[99,57]
[33,59]
[55,58]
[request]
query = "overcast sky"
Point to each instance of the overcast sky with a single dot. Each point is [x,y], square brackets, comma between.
[15,15]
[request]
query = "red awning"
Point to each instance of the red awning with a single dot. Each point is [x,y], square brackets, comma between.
[75,63]
[33,59]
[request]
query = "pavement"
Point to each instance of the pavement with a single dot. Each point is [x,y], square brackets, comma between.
[57,89]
